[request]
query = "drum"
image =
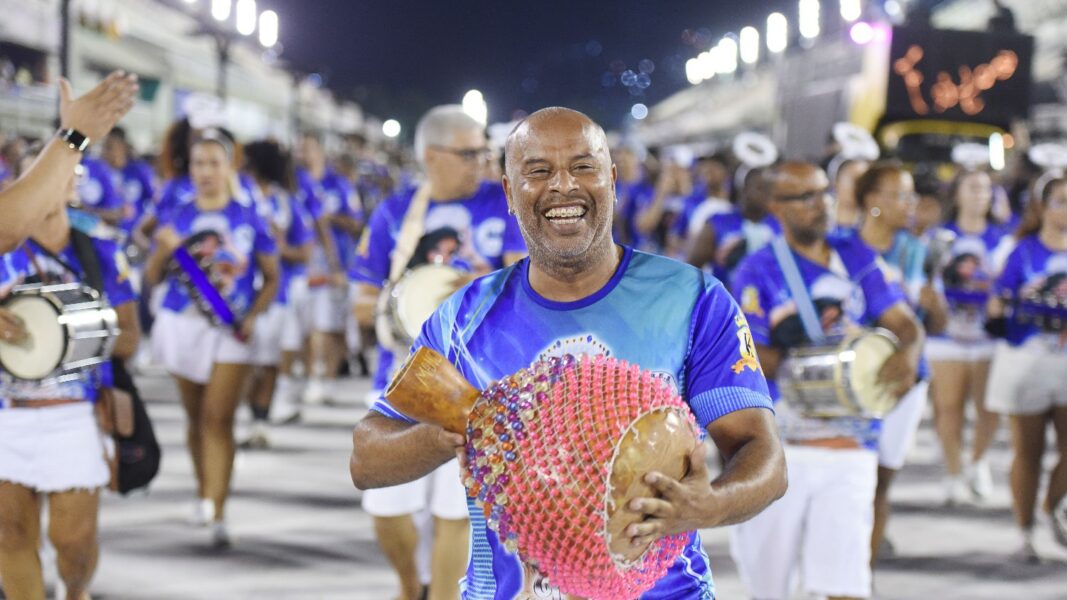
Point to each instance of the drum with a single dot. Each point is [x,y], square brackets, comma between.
[70,327]
[404,305]
[840,378]
[1044,309]
[555,453]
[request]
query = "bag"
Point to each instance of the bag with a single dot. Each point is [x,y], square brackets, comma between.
[120,411]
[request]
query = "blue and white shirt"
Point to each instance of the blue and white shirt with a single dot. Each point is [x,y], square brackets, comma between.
[96,191]
[136,185]
[17,267]
[967,278]
[230,239]
[332,195]
[665,316]
[851,292]
[486,231]
[288,218]
[734,232]
[1033,268]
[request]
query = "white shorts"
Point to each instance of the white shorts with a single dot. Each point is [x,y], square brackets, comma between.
[328,306]
[188,345]
[822,526]
[266,337]
[946,350]
[53,449]
[441,491]
[296,325]
[1026,380]
[900,425]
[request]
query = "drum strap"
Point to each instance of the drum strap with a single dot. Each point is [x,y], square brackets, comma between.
[411,230]
[809,318]
[83,249]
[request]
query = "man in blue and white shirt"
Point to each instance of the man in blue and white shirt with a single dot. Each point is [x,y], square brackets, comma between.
[580,292]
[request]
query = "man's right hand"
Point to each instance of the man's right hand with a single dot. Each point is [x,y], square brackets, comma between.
[12,330]
[96,112]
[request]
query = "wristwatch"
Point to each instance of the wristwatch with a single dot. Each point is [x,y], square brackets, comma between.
[73,138]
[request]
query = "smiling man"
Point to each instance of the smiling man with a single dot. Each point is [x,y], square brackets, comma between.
[579,292]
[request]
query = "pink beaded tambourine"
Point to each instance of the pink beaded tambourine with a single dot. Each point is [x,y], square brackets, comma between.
[555,452]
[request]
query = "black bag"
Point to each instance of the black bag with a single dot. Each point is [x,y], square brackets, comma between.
[139,453]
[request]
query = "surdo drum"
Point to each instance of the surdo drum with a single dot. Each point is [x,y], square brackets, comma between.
[554,455]
[69,327]
[839,378]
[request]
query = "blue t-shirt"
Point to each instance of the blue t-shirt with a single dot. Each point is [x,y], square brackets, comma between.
[332,195]
[633,197]
[136,186]
[904,265]
[1033,269]
[230,239]
[17,268]
[287,217]
[665,316]
[732,230]
[180,190]
[96,190]
[966,279]
[852,291]
[486,230]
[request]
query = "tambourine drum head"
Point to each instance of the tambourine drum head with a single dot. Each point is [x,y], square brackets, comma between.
[872,350]
[43,350]
[419,293]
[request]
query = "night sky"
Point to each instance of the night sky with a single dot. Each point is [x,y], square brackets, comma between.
[398,58]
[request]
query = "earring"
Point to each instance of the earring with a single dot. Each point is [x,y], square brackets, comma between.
[511,212]
[876,212]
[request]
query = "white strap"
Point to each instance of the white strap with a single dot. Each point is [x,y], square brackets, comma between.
[411,230]
[809,318]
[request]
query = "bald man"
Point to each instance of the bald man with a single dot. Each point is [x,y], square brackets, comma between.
[822,527]
[580,292]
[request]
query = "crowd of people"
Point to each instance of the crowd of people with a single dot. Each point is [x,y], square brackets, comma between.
[254,273]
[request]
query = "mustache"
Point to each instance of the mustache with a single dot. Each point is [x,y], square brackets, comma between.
[560,199]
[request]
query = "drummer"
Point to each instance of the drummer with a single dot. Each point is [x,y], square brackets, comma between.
[823,524]
[580,292]
[50,444]
[209,362]
[466,224]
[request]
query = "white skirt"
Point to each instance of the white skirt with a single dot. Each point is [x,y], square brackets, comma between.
[189,346]
[53,448]
[1026,380]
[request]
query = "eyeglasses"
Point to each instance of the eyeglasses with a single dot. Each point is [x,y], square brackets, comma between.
[466,154]
[809,198]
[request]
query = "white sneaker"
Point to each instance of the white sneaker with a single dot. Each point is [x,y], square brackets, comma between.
[1059,522]
[285,407]
[1026,552]
[220,536]
[203,512]
[980,479]
[260,436]
[956,490]
[316,392]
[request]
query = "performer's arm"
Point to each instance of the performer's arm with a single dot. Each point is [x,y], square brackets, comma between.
[129,330]
[26,202]
[387,452]
[702,252]
[268,291]
[899,370]
[167,240]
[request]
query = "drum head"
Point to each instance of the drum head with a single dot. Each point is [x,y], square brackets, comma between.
[872,350]
[420,292]
[40,354]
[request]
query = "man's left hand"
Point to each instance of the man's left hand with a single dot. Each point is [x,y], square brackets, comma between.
[683,505]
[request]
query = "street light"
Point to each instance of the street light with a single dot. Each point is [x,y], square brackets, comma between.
[777,33]
[851,10]
[692,71]
[749,45]
[268,28]
[475,106]
[391,128]
[246,17]
[726,62]
[809,18]
[220,9]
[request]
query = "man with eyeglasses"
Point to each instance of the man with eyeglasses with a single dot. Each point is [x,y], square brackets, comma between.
[822,526]
[455,218]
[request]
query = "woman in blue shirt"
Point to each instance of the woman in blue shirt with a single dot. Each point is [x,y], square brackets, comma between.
[50,443]
[208,357]
[1028,379]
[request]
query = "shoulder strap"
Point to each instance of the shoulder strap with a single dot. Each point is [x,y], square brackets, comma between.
[411,230]
[85,250]
[809,317]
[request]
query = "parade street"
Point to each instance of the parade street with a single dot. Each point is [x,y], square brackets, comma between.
[299,532]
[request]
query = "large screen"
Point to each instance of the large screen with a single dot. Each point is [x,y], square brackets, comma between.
[959,75]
